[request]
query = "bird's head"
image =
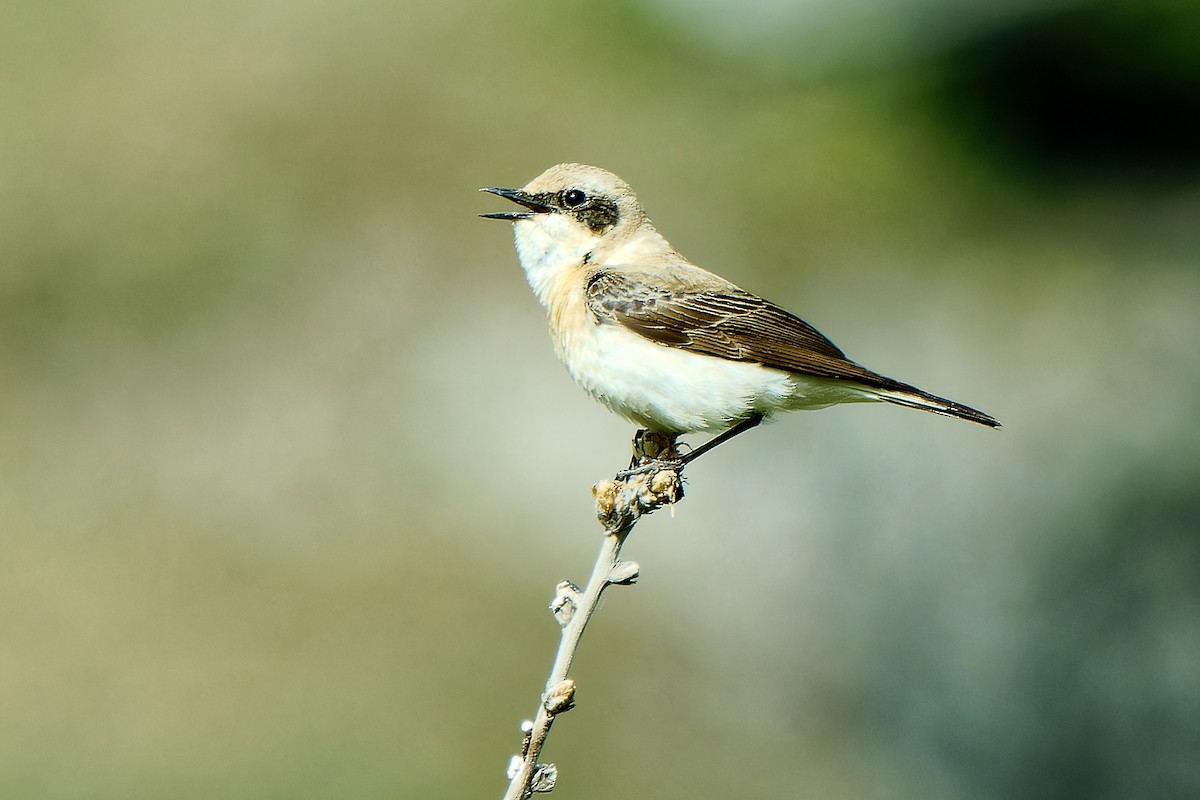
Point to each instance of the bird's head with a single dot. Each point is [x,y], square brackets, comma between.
[571,210]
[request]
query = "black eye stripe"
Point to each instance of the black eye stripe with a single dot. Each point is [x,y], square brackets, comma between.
[599,215]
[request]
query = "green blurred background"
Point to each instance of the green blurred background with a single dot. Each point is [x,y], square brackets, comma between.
[288,470]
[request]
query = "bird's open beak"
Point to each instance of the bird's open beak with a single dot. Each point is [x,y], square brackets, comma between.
[521,198]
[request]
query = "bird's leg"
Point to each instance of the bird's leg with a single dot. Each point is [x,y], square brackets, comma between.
[653,451]
[653,446]
[725,436]
[637,447]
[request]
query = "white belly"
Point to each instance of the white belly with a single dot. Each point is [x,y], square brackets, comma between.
[673,390]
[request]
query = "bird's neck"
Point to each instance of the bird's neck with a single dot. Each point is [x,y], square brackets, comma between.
[553,261]
[548,260]
[647,245]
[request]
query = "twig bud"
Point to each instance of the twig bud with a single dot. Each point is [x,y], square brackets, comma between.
[561,698]
[526,738]
[624,573]
[666,486]
[544,778]
[605,494]
[565,602]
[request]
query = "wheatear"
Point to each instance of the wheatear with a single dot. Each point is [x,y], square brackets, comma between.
[662,342]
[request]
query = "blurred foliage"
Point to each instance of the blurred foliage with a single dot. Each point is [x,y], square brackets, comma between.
[289,471]
[1101,92]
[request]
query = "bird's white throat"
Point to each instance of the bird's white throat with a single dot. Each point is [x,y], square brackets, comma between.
[549,248]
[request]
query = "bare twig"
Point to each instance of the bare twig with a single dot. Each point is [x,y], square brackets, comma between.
[653,481]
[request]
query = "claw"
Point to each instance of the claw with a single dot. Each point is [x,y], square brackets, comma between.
[650,466]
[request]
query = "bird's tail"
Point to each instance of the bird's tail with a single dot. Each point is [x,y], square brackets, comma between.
[904,395]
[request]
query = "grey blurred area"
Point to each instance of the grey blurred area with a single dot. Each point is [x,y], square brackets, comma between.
[288,470]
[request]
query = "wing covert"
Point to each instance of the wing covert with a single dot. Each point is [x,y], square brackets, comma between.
[732,324]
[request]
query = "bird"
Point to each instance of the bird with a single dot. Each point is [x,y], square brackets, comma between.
[664,343]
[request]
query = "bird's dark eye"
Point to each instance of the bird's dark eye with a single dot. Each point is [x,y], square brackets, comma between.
[573,198]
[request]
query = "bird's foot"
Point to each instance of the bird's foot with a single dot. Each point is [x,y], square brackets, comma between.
[651,466]
[654,479]
[653,452]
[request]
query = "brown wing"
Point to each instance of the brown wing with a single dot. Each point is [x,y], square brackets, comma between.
[729,324]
